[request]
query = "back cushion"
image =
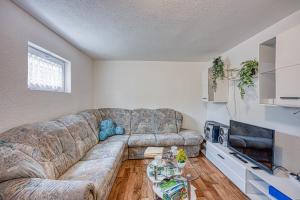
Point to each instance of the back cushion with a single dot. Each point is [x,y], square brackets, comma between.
[96,113]
[142,121]
[48,143]
[81,132]
[179,120]
[165,121]
[91,120]
[121,117]
[159,121]
[16,164]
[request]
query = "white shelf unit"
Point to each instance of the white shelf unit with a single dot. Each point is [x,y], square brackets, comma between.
[279,69]
[288,67]
[252,182]
[266,72]
[257,186]
[257,197]
[220,95]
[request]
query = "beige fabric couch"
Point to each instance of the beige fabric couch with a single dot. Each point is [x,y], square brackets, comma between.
[62,158]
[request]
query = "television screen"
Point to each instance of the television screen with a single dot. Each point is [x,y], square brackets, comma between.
[252,142]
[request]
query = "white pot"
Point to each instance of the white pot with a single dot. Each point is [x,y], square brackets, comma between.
[181,165]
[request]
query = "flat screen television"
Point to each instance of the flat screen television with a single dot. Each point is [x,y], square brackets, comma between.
[253,143]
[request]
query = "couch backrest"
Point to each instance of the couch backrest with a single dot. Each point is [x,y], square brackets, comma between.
[122,117]
[39,150]
[165,121]
[81,132]
[155,121]
[142,121]
[96,113]
[179,120]
[92,120]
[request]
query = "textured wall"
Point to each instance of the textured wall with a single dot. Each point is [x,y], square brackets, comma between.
[18,104]
[147,84]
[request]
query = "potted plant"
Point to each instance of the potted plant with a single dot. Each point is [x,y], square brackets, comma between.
[217,71]
[181,158]
[246,75]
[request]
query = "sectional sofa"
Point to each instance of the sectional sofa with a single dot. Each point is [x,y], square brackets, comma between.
[62,158]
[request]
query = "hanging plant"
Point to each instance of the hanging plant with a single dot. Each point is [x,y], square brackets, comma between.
[246,75]
[217,71]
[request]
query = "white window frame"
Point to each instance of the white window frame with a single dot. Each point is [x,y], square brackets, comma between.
[43,53]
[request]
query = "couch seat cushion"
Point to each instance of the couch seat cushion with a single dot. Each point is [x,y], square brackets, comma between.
[169,139]
[191,137]
[141,140]
[117,138]
[99,172]
[105,150]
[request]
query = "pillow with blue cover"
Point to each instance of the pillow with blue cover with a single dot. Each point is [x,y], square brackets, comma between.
[119,130]
[108,128]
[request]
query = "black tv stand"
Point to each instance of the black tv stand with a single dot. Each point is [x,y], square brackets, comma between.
[238,157]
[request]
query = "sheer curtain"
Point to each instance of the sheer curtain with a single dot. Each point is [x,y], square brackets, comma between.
[45,72]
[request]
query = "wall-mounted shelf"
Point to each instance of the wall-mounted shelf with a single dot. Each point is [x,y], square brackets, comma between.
[266,72]
[220,95]
[279,69]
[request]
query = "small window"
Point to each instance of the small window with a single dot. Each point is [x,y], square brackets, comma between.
[46,71]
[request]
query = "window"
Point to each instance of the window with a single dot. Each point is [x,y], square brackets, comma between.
[46,71]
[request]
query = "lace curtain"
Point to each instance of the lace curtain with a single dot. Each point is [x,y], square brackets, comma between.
[45,72]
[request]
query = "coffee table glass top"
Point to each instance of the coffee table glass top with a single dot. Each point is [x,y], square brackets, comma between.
[170,170]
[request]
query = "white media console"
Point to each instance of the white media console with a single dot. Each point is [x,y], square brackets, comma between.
[252,182]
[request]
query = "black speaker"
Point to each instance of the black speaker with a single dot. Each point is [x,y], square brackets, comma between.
[223,136]
[211,131]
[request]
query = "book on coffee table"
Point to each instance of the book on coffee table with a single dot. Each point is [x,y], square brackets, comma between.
[173,189]
[151,152]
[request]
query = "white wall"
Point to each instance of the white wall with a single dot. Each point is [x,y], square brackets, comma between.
[249,110]
[149,84]
[18,104]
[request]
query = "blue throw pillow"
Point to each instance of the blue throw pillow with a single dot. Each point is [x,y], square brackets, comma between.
[105,124]
[103,135]
[108,128]
[119,130]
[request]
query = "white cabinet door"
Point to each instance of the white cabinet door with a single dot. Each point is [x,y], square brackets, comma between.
[221,93]
[288,48]
[288,86]
[204,81]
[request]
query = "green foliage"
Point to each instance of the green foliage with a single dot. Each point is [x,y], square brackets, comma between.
[181,156]
[217,71]
[247,73]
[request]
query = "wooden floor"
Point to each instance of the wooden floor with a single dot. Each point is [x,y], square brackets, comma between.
[132,182]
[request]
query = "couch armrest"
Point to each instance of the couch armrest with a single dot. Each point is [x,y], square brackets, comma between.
[191,137]
[46,189]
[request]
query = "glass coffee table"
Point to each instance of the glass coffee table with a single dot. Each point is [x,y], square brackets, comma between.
[169,170]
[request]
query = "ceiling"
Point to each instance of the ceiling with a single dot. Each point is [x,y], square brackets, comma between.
[162,30]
